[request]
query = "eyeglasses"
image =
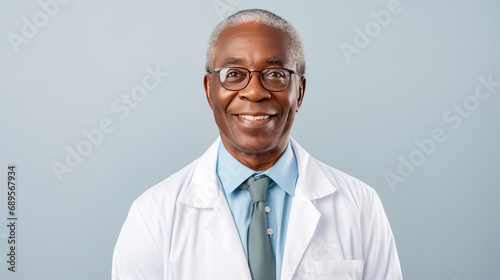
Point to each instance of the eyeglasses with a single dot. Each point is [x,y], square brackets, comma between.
[238,78]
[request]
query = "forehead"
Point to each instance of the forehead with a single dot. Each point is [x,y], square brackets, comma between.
[252,44]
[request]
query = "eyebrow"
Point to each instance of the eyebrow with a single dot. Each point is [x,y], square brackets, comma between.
[233,60]
[239,60]
[275,60]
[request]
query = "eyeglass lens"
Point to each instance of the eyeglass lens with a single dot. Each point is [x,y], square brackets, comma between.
[236,78]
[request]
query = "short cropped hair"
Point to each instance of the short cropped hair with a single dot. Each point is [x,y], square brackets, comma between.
[267,18]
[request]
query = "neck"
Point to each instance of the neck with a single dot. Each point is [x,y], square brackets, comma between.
[257,161]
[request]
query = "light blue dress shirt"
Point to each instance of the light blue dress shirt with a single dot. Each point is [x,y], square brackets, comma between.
[284,174]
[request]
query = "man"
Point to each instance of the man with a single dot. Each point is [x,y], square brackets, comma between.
[256,205]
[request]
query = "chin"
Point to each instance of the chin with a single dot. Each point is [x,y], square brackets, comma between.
[256,147]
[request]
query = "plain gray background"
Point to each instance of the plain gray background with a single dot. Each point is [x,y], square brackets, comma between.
[361,116]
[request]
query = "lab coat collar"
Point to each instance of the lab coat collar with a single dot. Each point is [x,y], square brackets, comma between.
[204,189]
[312,179]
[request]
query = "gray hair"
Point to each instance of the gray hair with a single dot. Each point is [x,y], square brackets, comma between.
[267,18]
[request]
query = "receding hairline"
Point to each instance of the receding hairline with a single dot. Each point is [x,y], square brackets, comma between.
[278,59]
[295,52]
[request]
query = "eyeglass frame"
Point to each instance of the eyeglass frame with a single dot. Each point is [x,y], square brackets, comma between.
[217,70]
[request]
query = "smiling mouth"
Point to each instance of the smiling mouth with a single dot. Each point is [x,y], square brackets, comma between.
[254,118]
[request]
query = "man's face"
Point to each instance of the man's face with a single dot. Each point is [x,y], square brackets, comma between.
[254,46]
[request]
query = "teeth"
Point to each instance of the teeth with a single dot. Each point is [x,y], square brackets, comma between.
[254,118]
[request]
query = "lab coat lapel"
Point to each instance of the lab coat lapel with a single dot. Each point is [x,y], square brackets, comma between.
[304,217]
[223,231]
[302,224]
[203,194]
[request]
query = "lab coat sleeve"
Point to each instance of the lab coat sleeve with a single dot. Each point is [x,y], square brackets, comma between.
[380,256]
[137,255]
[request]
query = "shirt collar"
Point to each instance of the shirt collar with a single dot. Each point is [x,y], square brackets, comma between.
[232,173]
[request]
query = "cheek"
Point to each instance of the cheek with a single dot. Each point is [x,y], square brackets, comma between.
[217,96]
[220,102]
[292,98]
[289,104]
[289,107]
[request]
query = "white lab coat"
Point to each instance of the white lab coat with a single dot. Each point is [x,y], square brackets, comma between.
[182,228]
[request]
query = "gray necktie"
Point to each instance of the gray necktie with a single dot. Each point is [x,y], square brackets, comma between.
[260,251]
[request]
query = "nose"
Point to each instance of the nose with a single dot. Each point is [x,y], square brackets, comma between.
[254,91]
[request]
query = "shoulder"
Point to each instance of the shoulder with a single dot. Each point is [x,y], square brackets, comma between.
[166,192]
[347,185]
[341,185]
[351,195]
[166,195]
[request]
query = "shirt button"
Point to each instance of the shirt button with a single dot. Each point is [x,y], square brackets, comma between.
[267,209]
[269,231]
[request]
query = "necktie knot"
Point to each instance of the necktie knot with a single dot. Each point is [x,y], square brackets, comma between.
[257,187]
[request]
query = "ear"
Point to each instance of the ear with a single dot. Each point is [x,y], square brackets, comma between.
[302,91]
[206,85]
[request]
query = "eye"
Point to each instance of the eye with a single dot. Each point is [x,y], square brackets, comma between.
[275,73]
[233,73]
